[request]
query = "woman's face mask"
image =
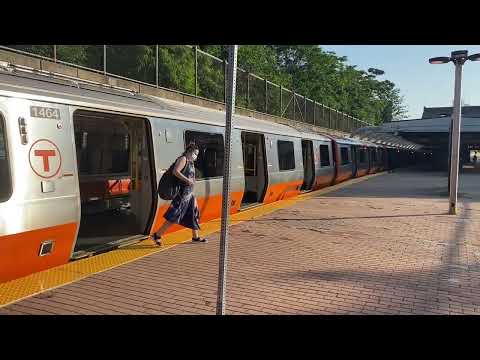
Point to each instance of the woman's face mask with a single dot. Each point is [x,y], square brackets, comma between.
[194,155]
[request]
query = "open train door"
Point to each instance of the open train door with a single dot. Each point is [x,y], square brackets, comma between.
[255,169]
[308,165]
[115,177]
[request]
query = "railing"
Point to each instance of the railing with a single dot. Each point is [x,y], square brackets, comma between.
[189,70]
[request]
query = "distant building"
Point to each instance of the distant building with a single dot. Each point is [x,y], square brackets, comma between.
[439,112]
[432,131]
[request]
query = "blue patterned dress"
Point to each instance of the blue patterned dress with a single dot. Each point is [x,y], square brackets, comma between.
[184,210]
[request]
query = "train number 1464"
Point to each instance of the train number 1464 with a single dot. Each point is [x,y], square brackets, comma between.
[44,112]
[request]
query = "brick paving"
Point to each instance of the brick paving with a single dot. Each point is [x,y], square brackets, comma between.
[383,246]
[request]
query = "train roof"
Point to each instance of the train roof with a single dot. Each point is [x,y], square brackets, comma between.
[314,136]
[46,88]
[348,140]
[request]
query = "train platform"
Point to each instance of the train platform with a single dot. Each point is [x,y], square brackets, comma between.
[382,244]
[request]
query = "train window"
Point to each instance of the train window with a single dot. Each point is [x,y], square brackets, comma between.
[324,156]
[344,155]
[286,155]
[374,156]
[210,157]
[5,180]
[363,156]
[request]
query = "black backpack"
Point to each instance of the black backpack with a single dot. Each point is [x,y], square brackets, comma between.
[169,184]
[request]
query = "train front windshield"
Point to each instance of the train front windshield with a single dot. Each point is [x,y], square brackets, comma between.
[5,180]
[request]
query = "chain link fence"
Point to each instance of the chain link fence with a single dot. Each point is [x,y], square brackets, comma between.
[189,70]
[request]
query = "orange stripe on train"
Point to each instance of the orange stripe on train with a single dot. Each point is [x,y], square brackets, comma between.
[210,209]
[19,253]
[282,191]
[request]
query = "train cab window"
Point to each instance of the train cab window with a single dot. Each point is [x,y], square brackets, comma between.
[5,180]
[286,155]
[324,156]
[344,155]
[209,163]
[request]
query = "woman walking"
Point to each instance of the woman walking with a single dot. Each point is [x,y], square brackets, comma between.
[184,209]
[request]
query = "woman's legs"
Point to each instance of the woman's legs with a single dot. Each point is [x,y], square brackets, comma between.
[157,235]
[196,237]
[163,228]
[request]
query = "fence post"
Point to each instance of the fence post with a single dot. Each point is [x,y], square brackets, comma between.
[314,111]
[281,102]
[105,59]
[305,109]
[156,66]
[248,90]
[196,70]
[55,53]
[266,96]
[293,103]
[324,119]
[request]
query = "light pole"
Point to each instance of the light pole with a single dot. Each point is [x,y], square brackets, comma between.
[229,110]
[458,58]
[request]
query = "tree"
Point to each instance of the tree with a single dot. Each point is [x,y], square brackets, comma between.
[306,69]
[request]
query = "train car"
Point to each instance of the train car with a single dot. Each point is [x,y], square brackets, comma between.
[373,158]
[345,164]
[382,158]
[80,164]
[318,164]
[362,159]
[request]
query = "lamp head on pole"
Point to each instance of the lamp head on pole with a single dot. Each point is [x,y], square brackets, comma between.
[474,57]
[439,60]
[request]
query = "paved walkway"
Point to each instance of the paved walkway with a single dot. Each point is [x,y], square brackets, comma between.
[382,246]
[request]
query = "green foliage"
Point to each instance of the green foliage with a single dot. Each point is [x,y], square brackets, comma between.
[306,69]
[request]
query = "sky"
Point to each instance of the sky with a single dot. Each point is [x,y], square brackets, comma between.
[420,83]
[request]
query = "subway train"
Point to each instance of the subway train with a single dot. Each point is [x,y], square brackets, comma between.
[80,163]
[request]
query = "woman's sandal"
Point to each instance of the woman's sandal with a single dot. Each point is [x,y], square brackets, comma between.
[199,240]
[157,239]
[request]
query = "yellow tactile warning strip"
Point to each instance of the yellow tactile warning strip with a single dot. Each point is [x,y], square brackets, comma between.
[19,289]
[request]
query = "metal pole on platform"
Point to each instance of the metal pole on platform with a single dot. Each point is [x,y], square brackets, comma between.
[457,118]
[458,58]
[449,150]
[230,108]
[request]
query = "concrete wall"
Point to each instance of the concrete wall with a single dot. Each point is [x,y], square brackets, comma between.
[46,65]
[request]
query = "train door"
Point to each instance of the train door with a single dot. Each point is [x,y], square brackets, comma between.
[114,161]
[308,165]
[254,167]
[353,151]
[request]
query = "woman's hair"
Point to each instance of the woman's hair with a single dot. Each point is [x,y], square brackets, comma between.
[190,148]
